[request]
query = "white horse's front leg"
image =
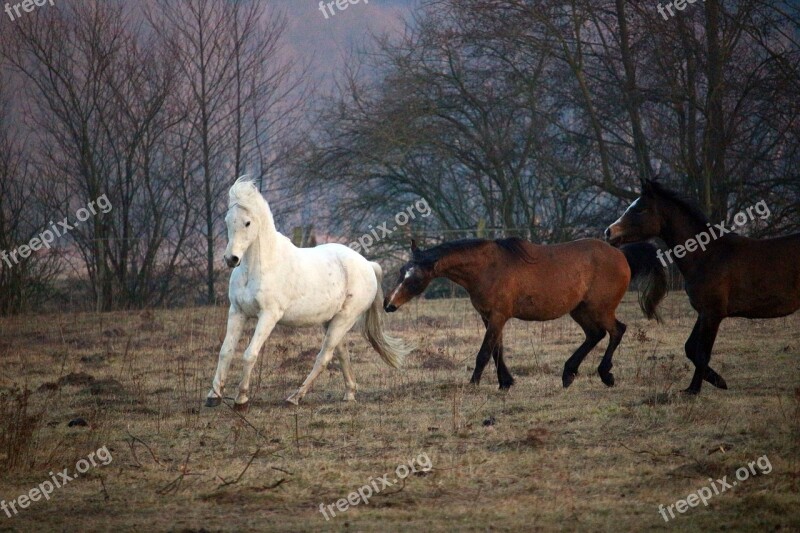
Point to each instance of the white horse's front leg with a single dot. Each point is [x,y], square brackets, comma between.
[266,323]
[236,321]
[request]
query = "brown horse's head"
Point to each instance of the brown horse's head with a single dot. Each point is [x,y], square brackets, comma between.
[415,276]
[641,221]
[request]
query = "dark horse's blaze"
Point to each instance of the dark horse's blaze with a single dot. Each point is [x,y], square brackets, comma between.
[514,278]
[734,275]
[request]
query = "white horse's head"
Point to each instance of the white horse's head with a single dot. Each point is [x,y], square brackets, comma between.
[248,214]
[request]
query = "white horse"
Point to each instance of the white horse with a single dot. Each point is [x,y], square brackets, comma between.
[278,283]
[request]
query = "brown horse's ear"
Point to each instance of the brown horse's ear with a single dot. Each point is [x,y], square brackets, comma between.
[647,186]
[414,248]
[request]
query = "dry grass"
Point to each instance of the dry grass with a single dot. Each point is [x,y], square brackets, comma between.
[537,458]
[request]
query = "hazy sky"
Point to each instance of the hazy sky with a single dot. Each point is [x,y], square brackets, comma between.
[310,37]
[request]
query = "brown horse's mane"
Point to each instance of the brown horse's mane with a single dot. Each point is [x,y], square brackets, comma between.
[683,203]
[513,245]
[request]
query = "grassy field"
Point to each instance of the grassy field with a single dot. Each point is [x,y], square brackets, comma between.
[537,458]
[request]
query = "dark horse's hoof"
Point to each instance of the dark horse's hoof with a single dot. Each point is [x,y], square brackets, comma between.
[213,402]
[507,385]
[241,407]
[690,392]
[718,382]
[567,378]
[607,379]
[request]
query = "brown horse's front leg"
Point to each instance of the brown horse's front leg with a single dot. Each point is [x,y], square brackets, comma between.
[691,351]
[706,335]
[504,377]
[494,331]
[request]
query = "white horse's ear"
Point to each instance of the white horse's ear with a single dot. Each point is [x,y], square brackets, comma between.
[414,245]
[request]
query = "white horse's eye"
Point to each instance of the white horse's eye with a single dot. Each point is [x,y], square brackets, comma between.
[247,224]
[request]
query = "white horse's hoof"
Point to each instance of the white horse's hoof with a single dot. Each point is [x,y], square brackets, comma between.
[241,407]
[294,399]
[213,401]
[349,397]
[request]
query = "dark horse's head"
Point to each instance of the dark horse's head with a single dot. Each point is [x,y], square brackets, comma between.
[641,221]
[415,276]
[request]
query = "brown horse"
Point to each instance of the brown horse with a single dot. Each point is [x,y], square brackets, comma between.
[729,275]
[514,278]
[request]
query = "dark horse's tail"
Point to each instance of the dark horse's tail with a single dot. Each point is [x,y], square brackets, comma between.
[645,265]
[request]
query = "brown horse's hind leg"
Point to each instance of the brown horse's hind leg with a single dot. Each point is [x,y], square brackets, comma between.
[594,334]
[604,369]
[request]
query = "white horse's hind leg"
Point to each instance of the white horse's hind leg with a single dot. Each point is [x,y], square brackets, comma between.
[337,329]
[343,355]
[236,321]
[266,323]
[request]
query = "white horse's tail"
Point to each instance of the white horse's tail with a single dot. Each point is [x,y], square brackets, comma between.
[391,349]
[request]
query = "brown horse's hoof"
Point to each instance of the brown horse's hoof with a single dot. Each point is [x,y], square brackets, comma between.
[690,392]
[567,378]
[607,379]
[213,402]
[241,407]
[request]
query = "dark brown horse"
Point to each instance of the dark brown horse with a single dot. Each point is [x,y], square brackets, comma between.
[514,278]
[729,275]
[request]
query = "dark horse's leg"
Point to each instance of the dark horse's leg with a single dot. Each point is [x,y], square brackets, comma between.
[494,336]
[707,328]
[594,334]
[605,365]
[504,377]
[691,349]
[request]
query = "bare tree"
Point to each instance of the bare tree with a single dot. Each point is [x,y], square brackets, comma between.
[101,100]
[64,56]
[241,96]
[26,275]
[524,112]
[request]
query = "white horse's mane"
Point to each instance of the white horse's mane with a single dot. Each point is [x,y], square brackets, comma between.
[246,195]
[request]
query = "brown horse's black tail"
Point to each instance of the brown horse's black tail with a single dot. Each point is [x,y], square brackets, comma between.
[645,265]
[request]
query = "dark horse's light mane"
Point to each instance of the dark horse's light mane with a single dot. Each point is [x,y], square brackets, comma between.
[683,203]
[513,245]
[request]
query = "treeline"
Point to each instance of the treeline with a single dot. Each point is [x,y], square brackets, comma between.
[509,117]
[538,118]
[158,105]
